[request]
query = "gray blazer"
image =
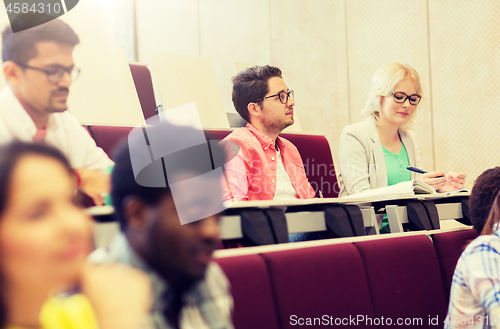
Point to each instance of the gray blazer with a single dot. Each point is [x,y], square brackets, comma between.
[361,158]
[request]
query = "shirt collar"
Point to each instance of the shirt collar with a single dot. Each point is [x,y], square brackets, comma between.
[496,229]
[199,295]
[121,251]
[264,140]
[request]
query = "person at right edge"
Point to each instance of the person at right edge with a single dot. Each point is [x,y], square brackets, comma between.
[375,153]
[475,289]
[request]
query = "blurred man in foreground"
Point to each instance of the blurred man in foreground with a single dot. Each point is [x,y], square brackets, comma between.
[171,230]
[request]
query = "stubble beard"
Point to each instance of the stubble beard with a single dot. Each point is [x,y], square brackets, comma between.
[277,127]
[54,109]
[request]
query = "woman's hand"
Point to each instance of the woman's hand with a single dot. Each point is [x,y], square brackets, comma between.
[435,179]
[120,295]
[455,182]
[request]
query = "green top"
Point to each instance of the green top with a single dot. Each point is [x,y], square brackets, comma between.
[396,173]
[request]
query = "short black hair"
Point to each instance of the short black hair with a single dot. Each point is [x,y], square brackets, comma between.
[250,85]
[485,189]
[124,184]
[20,46]
[186,161]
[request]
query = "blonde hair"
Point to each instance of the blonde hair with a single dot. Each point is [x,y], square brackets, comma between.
[384,81]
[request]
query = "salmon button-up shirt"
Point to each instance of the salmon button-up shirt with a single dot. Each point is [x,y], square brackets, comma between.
[251,173]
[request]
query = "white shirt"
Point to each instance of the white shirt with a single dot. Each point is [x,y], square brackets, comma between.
[63,132]
[284,187]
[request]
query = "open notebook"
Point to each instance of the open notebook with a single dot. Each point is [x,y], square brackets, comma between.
[403,188]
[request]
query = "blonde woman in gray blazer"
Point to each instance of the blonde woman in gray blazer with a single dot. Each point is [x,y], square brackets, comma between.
[390,109]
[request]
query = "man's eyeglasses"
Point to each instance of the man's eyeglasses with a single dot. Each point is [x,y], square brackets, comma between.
[283,95]
[400,97]
[56,73]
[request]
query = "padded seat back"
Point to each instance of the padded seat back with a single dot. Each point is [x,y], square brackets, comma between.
[314,150]
[109,137]
[317,281]
[216,135]
[316,155]
[254,305]
[404,279]
[449,247]
[144,87]
[318,162]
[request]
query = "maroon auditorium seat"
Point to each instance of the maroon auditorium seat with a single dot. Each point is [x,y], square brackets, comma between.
[250,285]
[317,281]
[318,162]
[109,137]
[87,129]
[449,247]
[216,135]
[316,155]
[404,279]
[144,87]
[315,150]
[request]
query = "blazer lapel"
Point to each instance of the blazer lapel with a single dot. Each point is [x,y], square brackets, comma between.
[378,154]
[408,143]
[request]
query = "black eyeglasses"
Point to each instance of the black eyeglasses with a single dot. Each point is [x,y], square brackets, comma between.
[283,95]
[55,73]
[400,97]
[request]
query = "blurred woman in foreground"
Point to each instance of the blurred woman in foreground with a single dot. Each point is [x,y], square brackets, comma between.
[44,242]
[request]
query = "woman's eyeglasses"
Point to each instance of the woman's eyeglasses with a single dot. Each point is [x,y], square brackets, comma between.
[400,97]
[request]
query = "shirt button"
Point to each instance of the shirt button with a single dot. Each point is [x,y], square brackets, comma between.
[265,148]
[272,158]
[272,181]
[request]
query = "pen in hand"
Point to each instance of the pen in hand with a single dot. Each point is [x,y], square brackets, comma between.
[419,171]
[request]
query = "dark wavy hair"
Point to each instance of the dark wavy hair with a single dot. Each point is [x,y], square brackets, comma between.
[482,196]
[10,155]
[250,85]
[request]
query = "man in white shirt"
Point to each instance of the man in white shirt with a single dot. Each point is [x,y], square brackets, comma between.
[39,68]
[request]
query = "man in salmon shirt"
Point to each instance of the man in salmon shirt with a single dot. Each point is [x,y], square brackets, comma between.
[266,167]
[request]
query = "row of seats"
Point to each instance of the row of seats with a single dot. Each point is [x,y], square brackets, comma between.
[395,278]
[315,152]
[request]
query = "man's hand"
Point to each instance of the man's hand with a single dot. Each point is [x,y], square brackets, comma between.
[95,184]
[120,295]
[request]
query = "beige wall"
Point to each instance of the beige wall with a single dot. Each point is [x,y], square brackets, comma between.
[465,68]
[329,49]
[105,74]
